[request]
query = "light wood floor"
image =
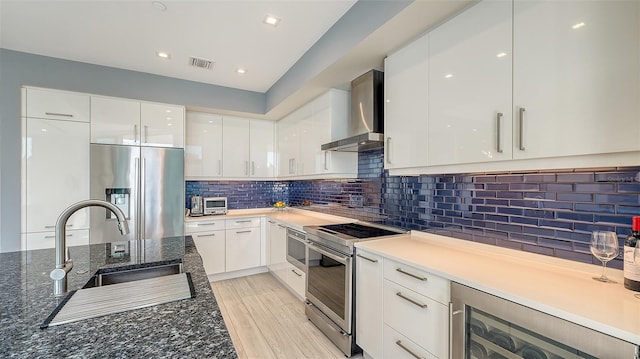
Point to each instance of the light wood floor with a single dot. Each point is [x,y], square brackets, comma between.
[266,321]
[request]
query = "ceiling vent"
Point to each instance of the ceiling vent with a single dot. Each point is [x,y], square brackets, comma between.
[201,63]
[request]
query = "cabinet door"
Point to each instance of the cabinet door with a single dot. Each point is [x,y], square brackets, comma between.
[289,142]
[262,149]
[576,77]
[369,303]
[161,125]
[398,346]
[242,249]
[277,245]
[203,148]
[314,131]
[211,247]
[406,115]
[115,121]
[470,86]
[42,240]
[297,280]
[57,105]
[235,147]
[57,172]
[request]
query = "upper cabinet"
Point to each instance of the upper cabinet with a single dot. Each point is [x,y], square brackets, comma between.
[56,105]
[406,110]
[228,147]
[130,122]
[203,149]
[576,77]
[470,86]
[516,86]
[302,134]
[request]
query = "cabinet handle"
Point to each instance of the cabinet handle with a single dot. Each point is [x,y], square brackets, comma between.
[421,305]
[146,134]
[238,232]
[135,133]
[272,222]
[68,225]
[388,148]
[399,343]
[411,274]
[293,168]
[281,226]
[499,132]
[207,235]
[246,168]
[244,221]
[367,258]
[49,237]
[294,271]
[58,114]
[326,167]
[290,160]
[219,167]
[521,132]
[205,224]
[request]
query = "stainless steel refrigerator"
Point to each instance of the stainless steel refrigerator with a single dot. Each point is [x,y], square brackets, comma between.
[147,183]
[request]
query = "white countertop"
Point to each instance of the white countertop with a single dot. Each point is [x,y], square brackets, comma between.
[293,217]
[556,286]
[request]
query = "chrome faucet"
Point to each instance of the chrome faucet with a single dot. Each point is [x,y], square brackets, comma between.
[63,263]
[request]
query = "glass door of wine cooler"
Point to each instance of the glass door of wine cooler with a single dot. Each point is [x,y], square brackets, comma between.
[488,327]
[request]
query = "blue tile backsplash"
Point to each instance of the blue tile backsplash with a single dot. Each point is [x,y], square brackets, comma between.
[551,213]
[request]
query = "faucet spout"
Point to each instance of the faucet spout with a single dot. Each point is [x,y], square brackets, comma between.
[63,262]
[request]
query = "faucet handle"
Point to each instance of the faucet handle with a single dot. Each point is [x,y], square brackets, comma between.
[58,274]
[68,255]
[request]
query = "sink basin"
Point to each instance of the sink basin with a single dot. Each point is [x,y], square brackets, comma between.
[125,274]
[116,290]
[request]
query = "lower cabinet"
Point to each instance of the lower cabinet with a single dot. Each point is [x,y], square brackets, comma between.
[242,249]
[42,240]
[289,275]
[414,306]
[211,246]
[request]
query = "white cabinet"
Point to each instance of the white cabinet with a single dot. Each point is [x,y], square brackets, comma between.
[115,121]
[56,160]
[161,125]
[297,281]
[130,122]
[56,105]
[211,246]
[469,98]
[406,110]
[203,148]
[262,149]
[576,77]
[399,346]
[243,247]
[235,146]
[302,134]
[285,272]
[209,238]
[43,240]
[369,322]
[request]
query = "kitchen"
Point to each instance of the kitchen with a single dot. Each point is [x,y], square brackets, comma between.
[544,197]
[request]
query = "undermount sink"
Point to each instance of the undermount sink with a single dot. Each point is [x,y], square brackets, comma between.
[115,290]
[125,274]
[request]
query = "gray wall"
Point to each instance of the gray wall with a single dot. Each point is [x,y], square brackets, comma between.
[18,69]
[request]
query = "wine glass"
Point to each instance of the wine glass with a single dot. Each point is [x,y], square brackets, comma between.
[605,247]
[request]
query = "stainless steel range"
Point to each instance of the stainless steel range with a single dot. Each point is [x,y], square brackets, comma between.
[331,278]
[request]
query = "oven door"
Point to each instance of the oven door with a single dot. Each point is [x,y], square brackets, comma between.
[329,280]
[297,249]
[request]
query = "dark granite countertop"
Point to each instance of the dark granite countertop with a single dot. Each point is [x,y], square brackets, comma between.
[190,328]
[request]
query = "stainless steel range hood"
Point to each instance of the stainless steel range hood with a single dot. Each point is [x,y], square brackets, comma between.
[366,123]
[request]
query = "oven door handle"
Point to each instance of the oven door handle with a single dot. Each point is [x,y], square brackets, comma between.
[340,258]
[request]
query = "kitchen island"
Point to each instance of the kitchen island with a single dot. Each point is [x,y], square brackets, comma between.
[190,328]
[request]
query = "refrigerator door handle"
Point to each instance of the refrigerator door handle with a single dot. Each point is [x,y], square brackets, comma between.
[137,186]
[143,199]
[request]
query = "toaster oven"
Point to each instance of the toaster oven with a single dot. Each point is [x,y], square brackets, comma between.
[215,205]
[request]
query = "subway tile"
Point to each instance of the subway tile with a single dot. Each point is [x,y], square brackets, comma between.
[575,177]
[538,178]
[556,187]
[539,231]
[523,238]
[524,187]
[594,208]
[508,244]
[497,186]
[485,179]
[555,243]
[618,198]
[524,220]
[618,177]
[496,202]
[629,188]
[556,224]
[540,196]
[510,178]
[496,218]
[510,211]
[628,210]
[613,220]
[595,187]
[575,197]
[572,216]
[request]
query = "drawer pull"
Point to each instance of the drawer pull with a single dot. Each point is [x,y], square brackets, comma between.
[421,305]
[207,235]
[205,224]
[367,258]
[272,222]
[281,226]
[245,221]
[294,271]
[238,232]
[399,343]
[68,225]
[411,274]
[58,114]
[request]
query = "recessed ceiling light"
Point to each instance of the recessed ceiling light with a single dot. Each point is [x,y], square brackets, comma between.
[241,71]
[578,25]
[448,76]
[502,54]
[159,6]
[271,20]
[164,55]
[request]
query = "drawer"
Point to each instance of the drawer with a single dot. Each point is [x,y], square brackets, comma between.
[243,223]
[397,346]
[418,280]
[42,240]
[203,226]
[419,318]
[57,105]
[297,280]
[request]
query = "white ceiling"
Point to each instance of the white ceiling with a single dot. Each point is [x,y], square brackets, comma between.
[127,35]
